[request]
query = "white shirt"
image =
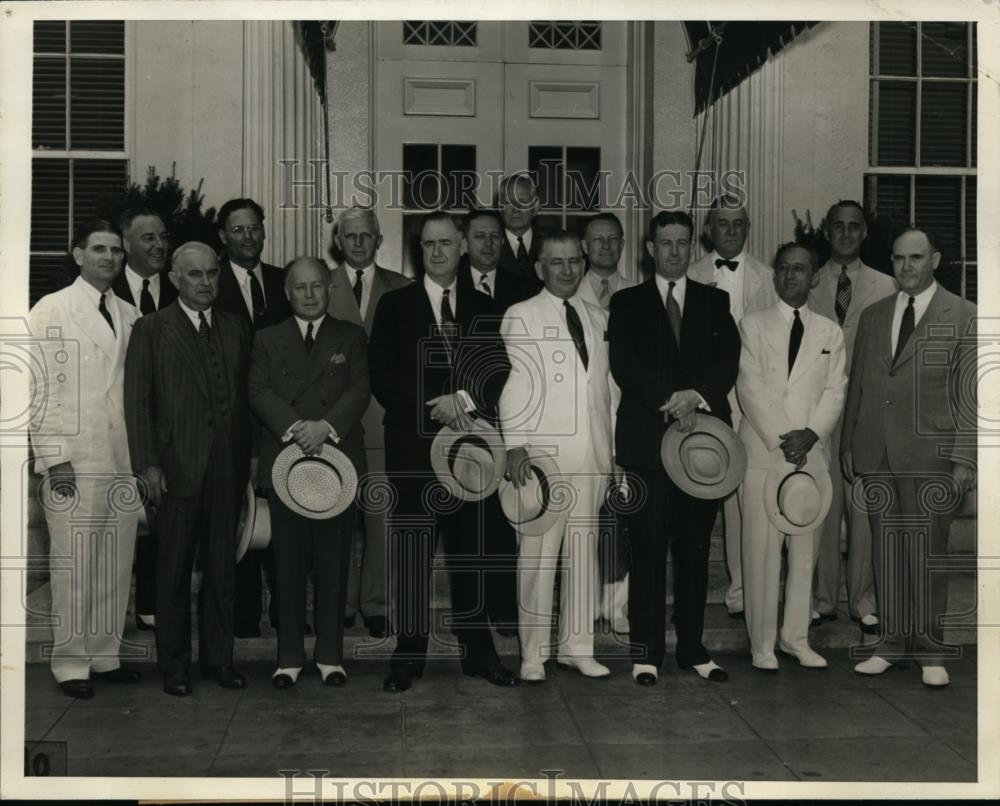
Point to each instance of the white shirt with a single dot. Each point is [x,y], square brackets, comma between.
[731,282]
[95,296]
[920,303]
[680,289]
[243,280]
[303,327]
[135,280]
[435,293]
[788,314]
[525,239]
[596,281]
[193,314]
[367,278]
[491,280]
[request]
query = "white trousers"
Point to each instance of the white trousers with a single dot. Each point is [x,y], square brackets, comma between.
[732,519]
[762,571]
[91,545]
[574,539]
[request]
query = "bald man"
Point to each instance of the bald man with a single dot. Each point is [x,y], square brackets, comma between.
[188,429]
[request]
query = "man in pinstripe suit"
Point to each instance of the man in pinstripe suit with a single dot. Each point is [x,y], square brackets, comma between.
[188,428]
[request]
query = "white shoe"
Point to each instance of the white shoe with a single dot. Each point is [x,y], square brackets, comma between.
[871,620]
[767,663]
[805,656]
[532,673]
[588,667]
[639,669]
[874,665]
[935,676]
[709,671]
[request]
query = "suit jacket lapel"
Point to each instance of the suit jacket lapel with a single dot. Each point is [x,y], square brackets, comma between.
[179,330]
[936,310]
[88,318]
[342,303]
[379,287]
[808,349]
[229,290]
[318,359]
[293,349]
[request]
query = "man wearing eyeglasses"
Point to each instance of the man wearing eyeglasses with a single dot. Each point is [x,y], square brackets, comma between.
[254,292]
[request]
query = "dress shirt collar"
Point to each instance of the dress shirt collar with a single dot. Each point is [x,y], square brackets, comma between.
[367,273]
[525,239]
[920,301]
[134,280]
[304,325]
[435,292]
[787,312]
[193,314]
[680,289]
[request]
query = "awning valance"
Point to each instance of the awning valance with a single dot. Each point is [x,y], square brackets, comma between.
[735,49]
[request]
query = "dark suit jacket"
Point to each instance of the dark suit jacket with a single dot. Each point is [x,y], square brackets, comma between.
[167,291]
[648,366]
[231,300]
[342,303]
[919,412]
[509,288]
[526,269]
[168,403]
[328,383]
[409,367]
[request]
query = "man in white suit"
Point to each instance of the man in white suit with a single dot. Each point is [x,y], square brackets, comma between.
[791,386]
[558,399]
[603,243]
[750,286]
[81,448]
[356,286]
[846,287]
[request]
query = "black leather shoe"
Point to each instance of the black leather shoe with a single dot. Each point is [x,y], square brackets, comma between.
[282,681]
[178,685]
[822,618]
[335,679]
[225,676]
[77,689]
[646,679]
[376,626]
[495,673]
[349,622]
[401,677]
[119,675]
[735,613]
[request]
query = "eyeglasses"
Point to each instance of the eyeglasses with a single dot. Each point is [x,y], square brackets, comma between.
[253,229]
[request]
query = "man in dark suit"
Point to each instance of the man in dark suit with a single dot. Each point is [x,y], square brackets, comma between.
[356,286]
[188,432]
[910,433]
[674,349]
[145,283]
[518,202]
[309,383]
[436,359]
[254,292]
[484,238]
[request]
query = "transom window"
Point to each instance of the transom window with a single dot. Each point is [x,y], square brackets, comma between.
[440,32]
[561,35]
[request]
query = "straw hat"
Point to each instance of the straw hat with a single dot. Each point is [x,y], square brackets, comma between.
[318,487]
[254,527]
[469,463]
[529,508]
[707,462]
[797,500]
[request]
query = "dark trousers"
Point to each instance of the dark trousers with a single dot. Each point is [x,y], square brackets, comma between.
[204,522]
[667,515]
[322,547]
[250,590]
[145,567]
[413,528]
[909,532]
[499,563]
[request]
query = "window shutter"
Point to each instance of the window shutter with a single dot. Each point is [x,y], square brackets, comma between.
[97,114]
[48,103]
[49,205]
[943,115]
[97,36]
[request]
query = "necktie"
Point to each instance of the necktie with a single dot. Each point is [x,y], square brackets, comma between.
[359,286]
[522,253]
[203,329]
[729,264]
[310,341]
[484,285]
[605,292]
[795,340]
[256,297]
[673,313]
[447,320]
[576,332]
[103,308]
[906,325]
[843,301]
[146,304]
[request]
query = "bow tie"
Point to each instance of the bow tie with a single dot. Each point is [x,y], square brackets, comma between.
[729,264]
